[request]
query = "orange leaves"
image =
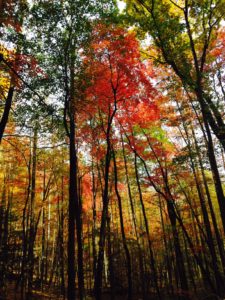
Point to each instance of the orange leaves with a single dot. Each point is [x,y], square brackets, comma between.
[143,114]
[219,45]
[216,55]
[118,90]
[116,72]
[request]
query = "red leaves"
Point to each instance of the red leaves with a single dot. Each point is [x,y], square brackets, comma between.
[7,16]
[116,72]
[219,45]
[216,56]
[14,65]
[10,21]
[144,113]
[118,89]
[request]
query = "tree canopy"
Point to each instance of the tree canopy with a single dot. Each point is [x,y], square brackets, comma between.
[112,140]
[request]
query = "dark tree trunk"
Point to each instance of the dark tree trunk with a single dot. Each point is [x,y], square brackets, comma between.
[99,269]
[6,111]
[216,176]
[126,250]
[140,258]
[74,215]
[105,200]
[152,259]
[168,262]
[32,214]
[71,220]
[214,221]
[111,265]
[178,252]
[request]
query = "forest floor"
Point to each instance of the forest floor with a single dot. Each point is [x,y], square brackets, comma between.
[38,296]
[13,294]
[43,296]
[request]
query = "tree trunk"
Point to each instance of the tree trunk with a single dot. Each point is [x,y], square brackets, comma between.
[6,111]
[126,250]
[152,259]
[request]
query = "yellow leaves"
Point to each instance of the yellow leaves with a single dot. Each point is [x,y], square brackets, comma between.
[7,54]
[4,84]
[4,74]
[4,52]
[175,6]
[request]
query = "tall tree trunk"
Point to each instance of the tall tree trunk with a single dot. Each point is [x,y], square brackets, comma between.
[201,196]
[61,240]
[32,214]
[71,220]
[168,262]
[127,253]
[214,221]
[152,259]
[178,252]
[73,205]
[216,176]
[142,279]
[99,269]
[111,265]
[105,200]
[94,194]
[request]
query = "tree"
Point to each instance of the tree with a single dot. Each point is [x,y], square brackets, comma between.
[118,79]
[66,28]
[184,34]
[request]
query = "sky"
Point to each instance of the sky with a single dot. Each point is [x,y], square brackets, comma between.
[121,5]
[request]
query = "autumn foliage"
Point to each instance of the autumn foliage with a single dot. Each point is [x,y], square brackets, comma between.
[112,159]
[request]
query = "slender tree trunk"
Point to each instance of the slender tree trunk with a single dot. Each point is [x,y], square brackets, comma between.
[94,193]
[6,201]
[111,265]
[177,247]
[73,197]
[75,207]
[32,214]
[61,241]
[201,196]
[168,262]
[99,269]
[2,234]
[105,200]
[214,221]
[142,280]
[127,252]
[152,259]
[216,176]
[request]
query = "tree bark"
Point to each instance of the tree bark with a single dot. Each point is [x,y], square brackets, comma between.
[6,111]
[126,250]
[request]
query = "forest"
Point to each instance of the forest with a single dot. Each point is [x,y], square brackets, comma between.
[112,149]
